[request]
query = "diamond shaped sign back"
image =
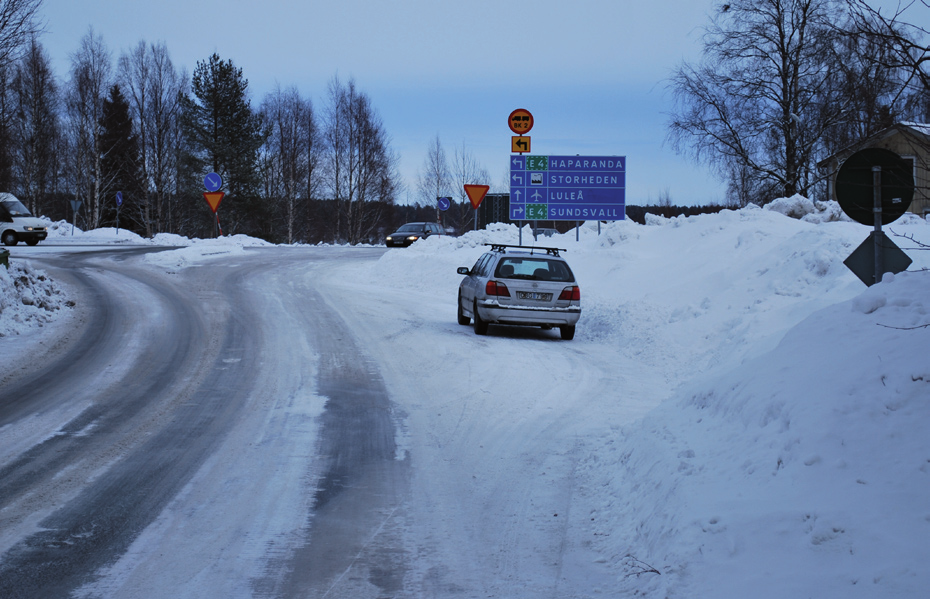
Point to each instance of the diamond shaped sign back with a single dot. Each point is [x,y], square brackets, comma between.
[862,260]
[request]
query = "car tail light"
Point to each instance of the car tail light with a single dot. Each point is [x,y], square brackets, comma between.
[495,288]
[572,294]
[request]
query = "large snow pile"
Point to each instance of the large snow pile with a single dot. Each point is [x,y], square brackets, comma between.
[28,298]
[805,472]
[802,208]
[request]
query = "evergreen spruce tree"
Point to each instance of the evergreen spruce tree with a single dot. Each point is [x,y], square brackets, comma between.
[120,163]
[225,136]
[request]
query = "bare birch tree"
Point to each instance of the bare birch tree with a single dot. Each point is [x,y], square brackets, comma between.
[360,166]
[291,152]
[19,24]
[760,100]
[7,111]
[466,170]
[35,126]
[435,179]
[904,47]
[153,87]
[90,79]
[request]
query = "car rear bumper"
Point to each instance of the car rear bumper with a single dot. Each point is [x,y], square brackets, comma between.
[493,312]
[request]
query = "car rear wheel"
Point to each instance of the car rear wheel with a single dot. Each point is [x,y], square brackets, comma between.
[568,331]
[461,315]
[9,238]
[481,327]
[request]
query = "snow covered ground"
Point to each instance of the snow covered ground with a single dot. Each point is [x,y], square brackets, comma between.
[764,429]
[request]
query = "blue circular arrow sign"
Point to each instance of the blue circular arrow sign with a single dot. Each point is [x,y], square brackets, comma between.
[444,203]
[212,182]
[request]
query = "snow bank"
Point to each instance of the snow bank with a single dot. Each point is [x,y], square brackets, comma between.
[804,472]
[202,250]
[28,298]
[63,232]
[804,209]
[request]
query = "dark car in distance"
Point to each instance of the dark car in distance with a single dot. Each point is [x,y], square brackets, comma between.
[411,232]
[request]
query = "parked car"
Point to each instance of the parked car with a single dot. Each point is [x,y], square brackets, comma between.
[520,285]
[411,232]
[17,224]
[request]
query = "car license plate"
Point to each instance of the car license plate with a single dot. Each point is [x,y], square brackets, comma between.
[535,296]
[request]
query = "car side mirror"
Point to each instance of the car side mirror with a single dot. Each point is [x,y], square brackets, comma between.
[463,270]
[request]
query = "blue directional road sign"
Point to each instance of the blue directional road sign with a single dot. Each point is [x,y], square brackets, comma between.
[444,203]
[567,187]
[212,182]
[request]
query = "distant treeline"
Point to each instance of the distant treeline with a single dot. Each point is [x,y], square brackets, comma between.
[318,217]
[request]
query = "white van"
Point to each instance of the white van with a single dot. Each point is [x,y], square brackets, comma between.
[17,224]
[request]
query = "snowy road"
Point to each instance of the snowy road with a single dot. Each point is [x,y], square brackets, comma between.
[263,425]
[164,384]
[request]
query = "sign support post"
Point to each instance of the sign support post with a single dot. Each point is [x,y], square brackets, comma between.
[475,195]
[119,204]
[75,206]
[877,235]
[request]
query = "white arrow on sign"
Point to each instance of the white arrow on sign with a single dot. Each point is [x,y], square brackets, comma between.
[518,179]
[518,210]
[517,193]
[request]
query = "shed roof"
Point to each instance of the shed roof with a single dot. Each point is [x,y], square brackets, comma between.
[921,130]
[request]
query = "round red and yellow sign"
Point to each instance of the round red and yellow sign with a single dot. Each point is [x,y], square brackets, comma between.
[520,121]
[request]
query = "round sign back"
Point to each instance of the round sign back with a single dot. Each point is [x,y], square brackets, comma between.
[854,189]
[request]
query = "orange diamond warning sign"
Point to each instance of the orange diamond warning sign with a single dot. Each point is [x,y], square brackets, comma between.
[476,193]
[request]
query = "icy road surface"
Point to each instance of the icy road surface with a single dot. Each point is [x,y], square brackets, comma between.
[265,424]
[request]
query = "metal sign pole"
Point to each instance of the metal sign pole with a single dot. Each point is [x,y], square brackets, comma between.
[892,182]
[877,233]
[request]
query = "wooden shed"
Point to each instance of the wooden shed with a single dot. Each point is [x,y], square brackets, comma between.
[911,141]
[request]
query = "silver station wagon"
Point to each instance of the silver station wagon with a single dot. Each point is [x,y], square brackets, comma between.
[520,285]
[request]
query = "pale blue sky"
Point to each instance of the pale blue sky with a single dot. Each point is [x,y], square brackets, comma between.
[592,72]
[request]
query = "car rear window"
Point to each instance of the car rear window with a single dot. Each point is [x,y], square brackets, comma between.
[536,269]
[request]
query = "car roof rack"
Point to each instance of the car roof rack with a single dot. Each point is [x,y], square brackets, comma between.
[500,247]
